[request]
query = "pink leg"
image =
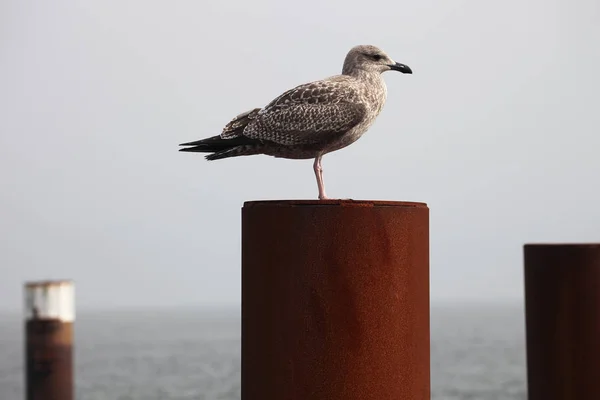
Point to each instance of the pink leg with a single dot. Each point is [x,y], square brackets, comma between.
[319,175]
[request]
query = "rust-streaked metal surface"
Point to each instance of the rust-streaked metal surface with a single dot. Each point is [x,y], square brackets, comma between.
[49,359]
[562,314]
[48,283]
[335,300]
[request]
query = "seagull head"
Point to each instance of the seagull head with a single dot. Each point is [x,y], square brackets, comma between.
[371,59]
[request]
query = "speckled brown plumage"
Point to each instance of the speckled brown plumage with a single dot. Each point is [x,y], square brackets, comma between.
[312,119]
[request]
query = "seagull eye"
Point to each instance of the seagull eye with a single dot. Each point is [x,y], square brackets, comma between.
[377,57]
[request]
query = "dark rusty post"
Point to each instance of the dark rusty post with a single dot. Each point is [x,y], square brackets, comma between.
[335,300]
[562,308]
[49,317]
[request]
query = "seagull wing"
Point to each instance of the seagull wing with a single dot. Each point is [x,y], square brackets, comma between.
[309,114]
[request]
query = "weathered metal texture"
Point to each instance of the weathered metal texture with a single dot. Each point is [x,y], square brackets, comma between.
[335,300]
[562,315]
[49,316]
[49,360]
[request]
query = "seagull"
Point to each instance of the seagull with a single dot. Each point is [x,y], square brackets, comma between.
[312,119]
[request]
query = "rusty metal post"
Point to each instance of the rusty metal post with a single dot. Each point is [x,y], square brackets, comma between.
[562,315]
[49,317]
[335,300]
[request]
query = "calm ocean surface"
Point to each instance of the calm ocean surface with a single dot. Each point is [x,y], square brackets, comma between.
[477,353]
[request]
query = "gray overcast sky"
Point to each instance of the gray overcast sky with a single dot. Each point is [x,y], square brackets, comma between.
[497,130]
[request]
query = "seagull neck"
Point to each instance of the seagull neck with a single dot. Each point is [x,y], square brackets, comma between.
[372,87]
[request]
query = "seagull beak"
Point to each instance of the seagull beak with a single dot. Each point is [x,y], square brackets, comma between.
[405,69]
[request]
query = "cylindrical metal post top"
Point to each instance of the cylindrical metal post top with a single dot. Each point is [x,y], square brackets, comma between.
[562,315]
[49,317]
[335,300]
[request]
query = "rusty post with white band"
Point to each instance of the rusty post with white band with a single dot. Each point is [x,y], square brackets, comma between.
[49,317]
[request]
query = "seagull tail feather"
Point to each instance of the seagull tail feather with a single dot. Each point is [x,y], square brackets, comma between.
[221,148]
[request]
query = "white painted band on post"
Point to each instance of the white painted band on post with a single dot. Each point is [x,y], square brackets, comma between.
[50,300]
